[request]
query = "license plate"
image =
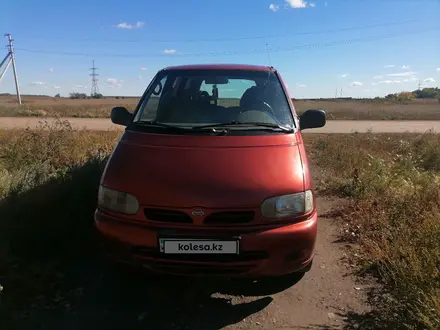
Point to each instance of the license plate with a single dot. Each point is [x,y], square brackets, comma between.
[198,246]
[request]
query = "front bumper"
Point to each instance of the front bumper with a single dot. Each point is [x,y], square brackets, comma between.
[268,250]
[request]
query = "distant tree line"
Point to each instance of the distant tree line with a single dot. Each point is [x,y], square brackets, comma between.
[425,93]
[84,96]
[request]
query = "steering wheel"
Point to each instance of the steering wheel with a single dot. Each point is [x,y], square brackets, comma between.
[257,104]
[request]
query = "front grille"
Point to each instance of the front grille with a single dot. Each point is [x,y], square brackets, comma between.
[167,216]
[244,256]
[230,218]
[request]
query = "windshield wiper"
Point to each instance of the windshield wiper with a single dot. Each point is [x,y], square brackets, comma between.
[179,128]
[254,124]
[158,124]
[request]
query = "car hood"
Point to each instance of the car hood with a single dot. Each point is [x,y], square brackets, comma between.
[205,171]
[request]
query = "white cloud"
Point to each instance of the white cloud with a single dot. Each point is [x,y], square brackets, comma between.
[297,3]
[390,82]
[344,75]
[429,80]
[389,66]
[50,70]
[438,69]
[410,79]
[37,83]
[405,67]
[274,7]
[56,87]
[125,25]
[301,85]
[169,51]
[144,69]
[113,83]
[313,5]
[356,84]
[367,90]
[378,77]
[402,74]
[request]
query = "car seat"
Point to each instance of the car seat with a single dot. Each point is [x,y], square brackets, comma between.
[252,99]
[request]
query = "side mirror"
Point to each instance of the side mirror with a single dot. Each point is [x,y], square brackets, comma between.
[121,116]
[312,119]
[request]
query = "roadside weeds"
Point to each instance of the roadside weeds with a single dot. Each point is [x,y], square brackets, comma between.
[392,183]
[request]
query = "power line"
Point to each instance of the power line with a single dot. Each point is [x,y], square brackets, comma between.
[249,52]
[279,35]
[94,75]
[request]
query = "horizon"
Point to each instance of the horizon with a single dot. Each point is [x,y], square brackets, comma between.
[367,50]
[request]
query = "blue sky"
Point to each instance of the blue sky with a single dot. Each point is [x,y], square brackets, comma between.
[371,48]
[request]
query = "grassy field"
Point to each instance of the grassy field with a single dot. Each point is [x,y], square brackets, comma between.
[428,109]
[50,266]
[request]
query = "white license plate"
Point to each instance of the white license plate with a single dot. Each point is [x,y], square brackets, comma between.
[198,246]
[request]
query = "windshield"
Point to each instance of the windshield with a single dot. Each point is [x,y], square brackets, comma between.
[195,98]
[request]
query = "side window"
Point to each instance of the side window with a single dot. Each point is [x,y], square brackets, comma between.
[149,108]
[245,84]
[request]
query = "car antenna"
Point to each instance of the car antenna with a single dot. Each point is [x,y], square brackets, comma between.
[268,55]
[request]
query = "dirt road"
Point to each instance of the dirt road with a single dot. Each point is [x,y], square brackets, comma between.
[332,126]
[93,295]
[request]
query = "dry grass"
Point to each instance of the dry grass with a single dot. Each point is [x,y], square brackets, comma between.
[336,109]
[48,187]
[43,106]
[48,252]
[393,183]
[421,109]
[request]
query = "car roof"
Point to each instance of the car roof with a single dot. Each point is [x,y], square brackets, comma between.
[221,67]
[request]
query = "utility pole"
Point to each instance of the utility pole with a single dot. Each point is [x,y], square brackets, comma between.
[95,89]
[10,59]
[420,85]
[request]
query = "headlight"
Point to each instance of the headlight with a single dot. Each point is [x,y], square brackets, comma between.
[117,201]
[288,205]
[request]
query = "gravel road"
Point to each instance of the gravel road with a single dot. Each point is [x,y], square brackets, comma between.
[332,126]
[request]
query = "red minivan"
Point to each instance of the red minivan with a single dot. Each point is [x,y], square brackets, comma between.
[210,176]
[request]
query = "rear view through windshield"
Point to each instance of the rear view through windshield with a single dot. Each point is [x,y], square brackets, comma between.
[200,97]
